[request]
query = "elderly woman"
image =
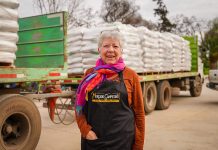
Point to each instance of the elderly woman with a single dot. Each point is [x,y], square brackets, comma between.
[109,103]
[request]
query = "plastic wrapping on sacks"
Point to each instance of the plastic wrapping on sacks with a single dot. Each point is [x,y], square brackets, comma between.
[147,55]
[90,55]
[88,61]
[8,30]
[7,57]
[142,50]
[76,65]
[88,66]
[8,13]
[8,36]
[89,48]
[73,49]
[7,46]
[131,46]
[72,40]
[8,25]
[75,70]
[83,43]
[10,3]
[75,55]
[148,65]
[72,32]
[74,59]
[92,37]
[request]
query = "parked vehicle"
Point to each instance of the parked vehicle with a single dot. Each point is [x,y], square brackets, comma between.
[41,65]
[213,79]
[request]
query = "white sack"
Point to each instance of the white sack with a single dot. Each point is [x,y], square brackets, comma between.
[7,13]
[8,25]
[10,3]
[76,70]
[8,36]
[7,46]
[7,56]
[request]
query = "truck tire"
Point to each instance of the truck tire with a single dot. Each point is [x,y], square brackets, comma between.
[196,87]
[20,123]
[149,96]
[163,95]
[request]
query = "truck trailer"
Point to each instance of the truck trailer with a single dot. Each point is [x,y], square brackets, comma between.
[40,73]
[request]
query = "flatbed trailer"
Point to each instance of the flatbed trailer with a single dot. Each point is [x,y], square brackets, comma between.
[41,74]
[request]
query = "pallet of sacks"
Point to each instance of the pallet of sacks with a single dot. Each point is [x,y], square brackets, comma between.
[144,50]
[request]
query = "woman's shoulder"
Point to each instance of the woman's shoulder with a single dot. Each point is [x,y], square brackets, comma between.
[129,73]
[88,71]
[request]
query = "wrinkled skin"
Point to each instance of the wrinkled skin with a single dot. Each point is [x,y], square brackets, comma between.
[110,51]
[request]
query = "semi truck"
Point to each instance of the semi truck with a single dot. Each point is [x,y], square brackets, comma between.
[40,73]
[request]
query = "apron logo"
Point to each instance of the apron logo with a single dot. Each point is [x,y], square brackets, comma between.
[106,98]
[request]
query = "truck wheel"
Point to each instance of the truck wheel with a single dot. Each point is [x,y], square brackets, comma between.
[149,96]
[196,87]
[20,123]
[163,95]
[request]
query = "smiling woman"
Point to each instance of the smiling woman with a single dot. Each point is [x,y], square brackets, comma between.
[109,103]
[110,47]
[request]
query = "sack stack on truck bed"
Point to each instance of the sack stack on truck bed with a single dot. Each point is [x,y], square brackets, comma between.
[8,30]
[144,50]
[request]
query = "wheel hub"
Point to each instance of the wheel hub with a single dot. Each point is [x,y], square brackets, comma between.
[7,129]
[15,131]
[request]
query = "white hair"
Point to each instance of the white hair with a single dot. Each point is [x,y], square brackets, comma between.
[114,34]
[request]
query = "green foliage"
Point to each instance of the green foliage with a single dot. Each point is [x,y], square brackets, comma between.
[164,25]
[206,71]
[211,42]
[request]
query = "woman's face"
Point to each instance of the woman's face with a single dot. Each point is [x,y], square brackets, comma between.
[110,51]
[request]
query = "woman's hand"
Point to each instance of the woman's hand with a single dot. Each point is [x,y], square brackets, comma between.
[91,135]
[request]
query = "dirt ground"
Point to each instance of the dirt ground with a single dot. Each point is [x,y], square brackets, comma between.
[189,124]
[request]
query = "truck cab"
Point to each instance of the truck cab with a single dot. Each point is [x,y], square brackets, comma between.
[213,79]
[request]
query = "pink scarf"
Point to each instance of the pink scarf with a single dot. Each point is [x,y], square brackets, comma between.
[95,78]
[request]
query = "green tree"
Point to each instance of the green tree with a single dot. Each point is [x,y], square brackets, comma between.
[161,11]
[211,43]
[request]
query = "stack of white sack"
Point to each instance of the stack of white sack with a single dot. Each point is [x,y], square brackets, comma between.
[132,52]
[165,57]
[176,51]
[74,44]
[89,48]
[143,50]
[186,56]
[83,47]
[149,45]
[164,51]
[8,30]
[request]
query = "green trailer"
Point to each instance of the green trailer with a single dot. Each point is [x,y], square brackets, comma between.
[41,59]
[41,51]
[41,73]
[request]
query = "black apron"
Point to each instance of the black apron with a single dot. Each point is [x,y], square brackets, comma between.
[110,116]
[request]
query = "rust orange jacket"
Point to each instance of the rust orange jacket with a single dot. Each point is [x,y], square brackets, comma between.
[135,100]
